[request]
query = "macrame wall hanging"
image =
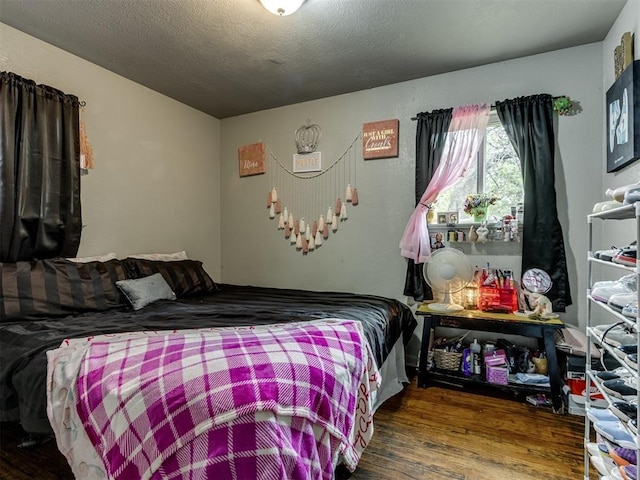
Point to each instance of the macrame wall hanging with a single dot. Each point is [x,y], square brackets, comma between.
[308,207]
[86,150]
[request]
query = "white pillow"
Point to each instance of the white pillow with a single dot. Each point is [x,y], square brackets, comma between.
[143,291]
[161,257]
[96,258]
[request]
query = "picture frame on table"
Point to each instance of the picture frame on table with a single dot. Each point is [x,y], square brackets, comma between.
[623,119]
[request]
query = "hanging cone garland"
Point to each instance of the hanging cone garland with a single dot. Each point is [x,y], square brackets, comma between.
[338,206]
[307,233]
[318,238]
[354,196]
[274,195]
[321,223]
[286,215]
[343,212]
[293,238]
[281,222]
[305,245]
[296,228]
[290,221]
[278,206]
[312,243]
[269,202]
[349,194]
[287,231]
[329,214]
[334,223]
[303,225]
[314,229]
[325,231]
[272,211]
[298,241]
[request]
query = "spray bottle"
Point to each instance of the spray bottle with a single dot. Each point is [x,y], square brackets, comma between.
[475,353]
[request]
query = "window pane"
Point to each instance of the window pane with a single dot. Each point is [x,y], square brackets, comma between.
[501,176]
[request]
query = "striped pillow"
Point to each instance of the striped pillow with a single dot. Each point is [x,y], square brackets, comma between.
[186,278]
[57,287]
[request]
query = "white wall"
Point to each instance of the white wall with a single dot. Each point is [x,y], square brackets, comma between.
[155,186]
[615,233]
[364,255]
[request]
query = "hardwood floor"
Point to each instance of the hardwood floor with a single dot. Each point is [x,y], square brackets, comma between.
[427,434]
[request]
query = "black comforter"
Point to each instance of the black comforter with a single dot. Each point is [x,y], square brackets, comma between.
[23,345]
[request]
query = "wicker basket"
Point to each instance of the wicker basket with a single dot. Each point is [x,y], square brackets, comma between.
[447,360]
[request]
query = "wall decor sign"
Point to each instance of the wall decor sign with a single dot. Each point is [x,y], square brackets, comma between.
[251,159]
[623,119]
[623,54]
[380,139]
[307,162]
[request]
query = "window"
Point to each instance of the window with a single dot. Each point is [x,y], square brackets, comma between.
[496,171]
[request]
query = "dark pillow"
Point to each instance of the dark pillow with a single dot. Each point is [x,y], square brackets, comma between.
[56,287]
[142,291]
[186,278]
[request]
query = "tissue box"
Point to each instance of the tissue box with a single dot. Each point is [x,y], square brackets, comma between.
[497,367]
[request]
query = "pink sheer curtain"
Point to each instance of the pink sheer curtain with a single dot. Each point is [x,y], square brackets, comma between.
[466,131]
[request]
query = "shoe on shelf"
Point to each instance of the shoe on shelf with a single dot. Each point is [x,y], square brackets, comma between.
[615,432]
[620,372]
[631,196]
[606,255]
[618,301]
[630,310]
[624,350]
[626,256]
[629,472]
[614,334]
[625,411]
[603,293]
[616,474]
[632,360]
[624,388]
[601,415]
[624,456]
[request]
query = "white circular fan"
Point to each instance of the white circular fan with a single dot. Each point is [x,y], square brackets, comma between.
[447,271]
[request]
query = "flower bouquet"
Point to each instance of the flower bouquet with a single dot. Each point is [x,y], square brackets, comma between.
[476,204]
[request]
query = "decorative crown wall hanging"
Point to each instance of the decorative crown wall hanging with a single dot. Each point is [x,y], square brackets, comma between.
[300,201]
[308,138]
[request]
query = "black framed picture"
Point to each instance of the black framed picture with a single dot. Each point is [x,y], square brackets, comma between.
[623,119]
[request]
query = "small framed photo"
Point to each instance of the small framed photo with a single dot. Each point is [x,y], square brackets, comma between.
[452,218]
[442,218]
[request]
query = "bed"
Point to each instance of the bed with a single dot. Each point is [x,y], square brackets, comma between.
[87,312]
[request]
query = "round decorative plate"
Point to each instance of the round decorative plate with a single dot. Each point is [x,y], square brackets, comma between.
[536,280]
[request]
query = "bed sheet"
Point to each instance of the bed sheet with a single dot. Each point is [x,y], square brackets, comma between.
[23,345]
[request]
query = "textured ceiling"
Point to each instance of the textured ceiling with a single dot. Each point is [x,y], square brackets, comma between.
[230,57]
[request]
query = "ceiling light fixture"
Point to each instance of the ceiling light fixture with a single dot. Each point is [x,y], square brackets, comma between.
[282,7]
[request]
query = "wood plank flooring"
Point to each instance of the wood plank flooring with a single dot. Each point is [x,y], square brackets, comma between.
[420,434]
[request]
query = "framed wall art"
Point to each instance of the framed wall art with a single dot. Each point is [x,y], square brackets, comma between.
[380,139]
[251,159]
[623,119]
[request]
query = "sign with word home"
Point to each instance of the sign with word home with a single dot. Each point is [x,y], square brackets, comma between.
[380,139]
[251,159]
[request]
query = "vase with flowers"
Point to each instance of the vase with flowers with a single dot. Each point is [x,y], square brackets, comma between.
[477,204]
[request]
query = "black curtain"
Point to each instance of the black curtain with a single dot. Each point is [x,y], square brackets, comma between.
[431,132]
[39,171]
[528,122]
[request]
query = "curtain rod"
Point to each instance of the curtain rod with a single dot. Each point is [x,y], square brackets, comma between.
[493,106]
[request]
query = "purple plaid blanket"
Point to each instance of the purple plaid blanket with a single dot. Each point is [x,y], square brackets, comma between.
[269,402]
